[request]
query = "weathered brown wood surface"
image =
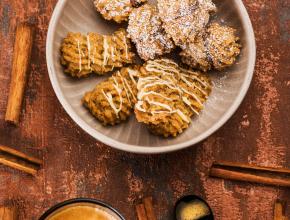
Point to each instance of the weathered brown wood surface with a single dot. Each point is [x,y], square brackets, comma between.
[78,166]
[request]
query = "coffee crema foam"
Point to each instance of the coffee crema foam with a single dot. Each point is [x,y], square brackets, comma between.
[84,212]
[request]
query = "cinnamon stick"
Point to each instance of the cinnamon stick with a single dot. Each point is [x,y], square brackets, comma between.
[148,204]
[251,167]
[141,213]
[249,173]
[8,213]
[234,175]
[21,59]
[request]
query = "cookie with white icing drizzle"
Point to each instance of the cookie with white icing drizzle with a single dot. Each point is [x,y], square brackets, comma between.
[217,49]
[146,31]
[196,88]
[168,96]
[117,10]
[183,20]
[83,54]
[112,101]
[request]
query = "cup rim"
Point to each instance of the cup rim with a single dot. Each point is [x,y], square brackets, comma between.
[80,200]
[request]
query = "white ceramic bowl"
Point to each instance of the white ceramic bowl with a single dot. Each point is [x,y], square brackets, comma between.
[230,86]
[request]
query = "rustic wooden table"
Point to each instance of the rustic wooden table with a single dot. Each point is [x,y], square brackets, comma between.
[75,165]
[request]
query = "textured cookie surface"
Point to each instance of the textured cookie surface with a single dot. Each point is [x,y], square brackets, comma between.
[168,96]
[222,45]
[112,101]
[183,20]
[217,49]
[117,10]
[82,54]
[146,31]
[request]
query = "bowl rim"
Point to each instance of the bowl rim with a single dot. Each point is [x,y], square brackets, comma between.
[249,33]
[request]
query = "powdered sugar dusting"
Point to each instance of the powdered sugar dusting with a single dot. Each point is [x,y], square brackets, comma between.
[216,48]
[145,30]
[117,10]
[185,19]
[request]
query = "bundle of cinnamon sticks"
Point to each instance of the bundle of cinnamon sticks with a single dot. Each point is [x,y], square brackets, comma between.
[145,210]
[18,160]
[251,173]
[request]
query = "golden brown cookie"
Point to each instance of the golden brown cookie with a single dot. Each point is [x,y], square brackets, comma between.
[195,54]
[168,96]
[222,45]
[183,20]
[217,49]
[112,101]
[82,54]
[117,10]
[146,31]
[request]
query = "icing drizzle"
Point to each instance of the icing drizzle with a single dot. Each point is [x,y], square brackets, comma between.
[167,73]
[124,86]
[114,47]
[80,55]
[106,49]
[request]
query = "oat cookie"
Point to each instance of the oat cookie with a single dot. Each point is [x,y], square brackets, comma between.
[168,96]
[222,45]
[82,54]
[146,31]
[112,101]
[117,10]
[183,20]
[217,49]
